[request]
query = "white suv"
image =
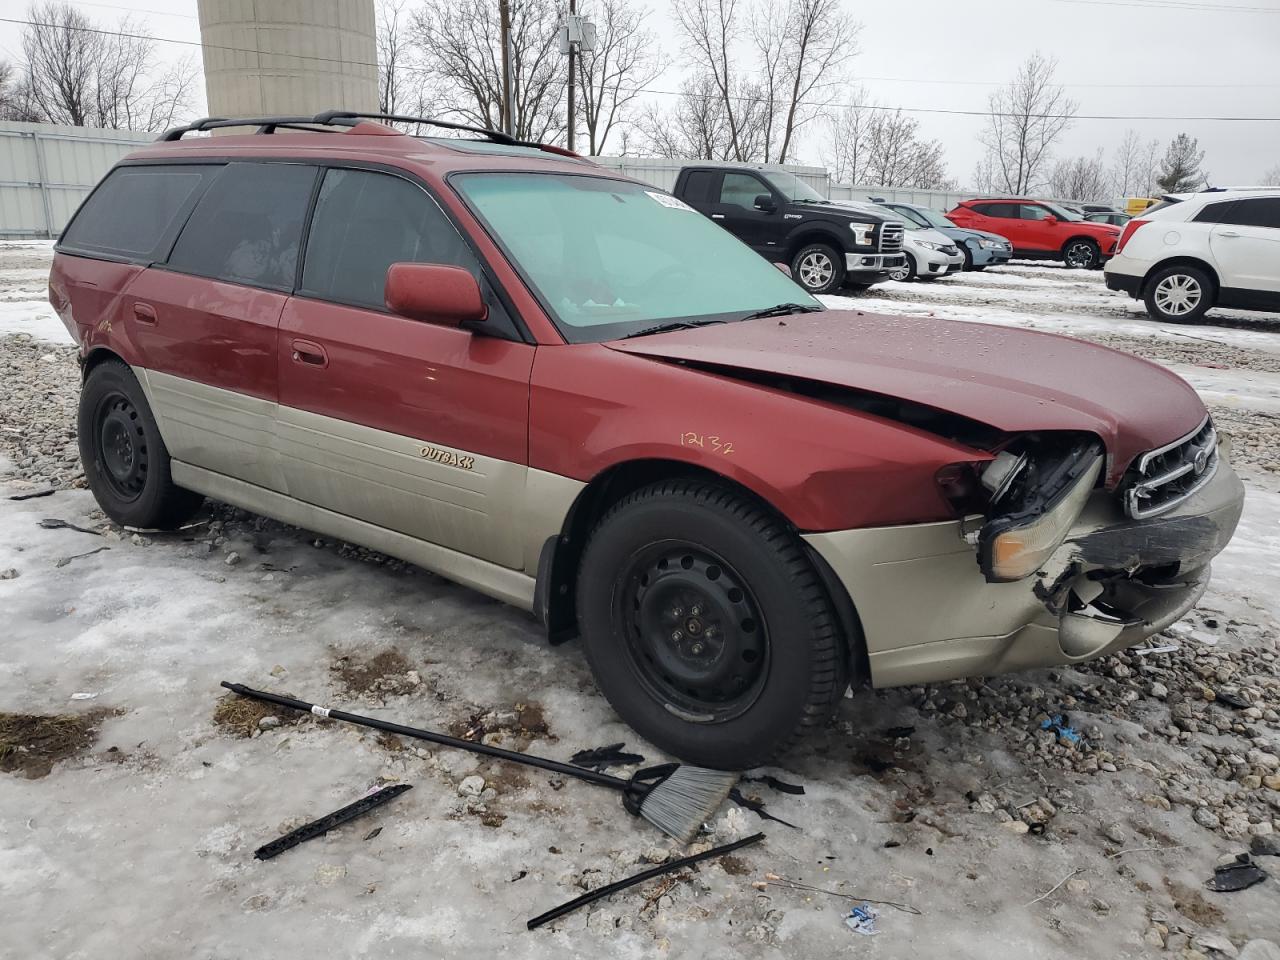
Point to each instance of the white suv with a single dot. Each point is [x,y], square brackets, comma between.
[1193,251]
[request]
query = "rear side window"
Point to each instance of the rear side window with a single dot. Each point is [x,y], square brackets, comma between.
[135,211]
[364,222]
[697,186]
[247,226]
[1006,211]
[1255,212]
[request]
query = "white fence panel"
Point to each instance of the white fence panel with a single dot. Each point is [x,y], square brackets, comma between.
[46,170]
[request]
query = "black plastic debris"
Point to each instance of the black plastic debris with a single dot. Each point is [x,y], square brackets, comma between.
[1232,700]
[756,806]
[35,493]
[599,758]
[322,826]
[780,785]
[1240,874]
[53,523]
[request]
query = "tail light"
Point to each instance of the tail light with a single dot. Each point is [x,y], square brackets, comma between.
[1129,230]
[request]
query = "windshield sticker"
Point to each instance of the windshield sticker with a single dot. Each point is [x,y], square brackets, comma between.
[668,201]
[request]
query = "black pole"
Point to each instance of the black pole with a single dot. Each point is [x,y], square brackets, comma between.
[573,8]
[612,888]
[555,766]
[504,18]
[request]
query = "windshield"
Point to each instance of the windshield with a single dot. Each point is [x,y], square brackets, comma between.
[1062,213]
[913,217]
[791,186]
[609,258]
[933,218]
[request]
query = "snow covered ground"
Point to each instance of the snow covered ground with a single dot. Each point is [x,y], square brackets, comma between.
[139,843]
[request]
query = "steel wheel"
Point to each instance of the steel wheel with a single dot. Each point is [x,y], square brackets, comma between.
[122,444]
[1178,294]
[694,635]
[1081,254]
[816,269]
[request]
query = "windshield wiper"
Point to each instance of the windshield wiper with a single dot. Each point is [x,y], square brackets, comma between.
[783,310]
[671,325]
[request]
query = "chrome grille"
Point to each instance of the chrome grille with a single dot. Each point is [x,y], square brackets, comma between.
[891,237]
[1161,479]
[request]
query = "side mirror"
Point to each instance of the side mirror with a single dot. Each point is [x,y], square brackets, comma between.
[765,203]
[434,293]
[1050,220]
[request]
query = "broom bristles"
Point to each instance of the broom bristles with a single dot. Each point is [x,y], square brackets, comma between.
[684,801]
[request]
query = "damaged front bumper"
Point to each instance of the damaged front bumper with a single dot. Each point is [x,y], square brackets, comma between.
[928,613]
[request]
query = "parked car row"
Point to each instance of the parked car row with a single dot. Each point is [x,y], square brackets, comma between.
[566,389]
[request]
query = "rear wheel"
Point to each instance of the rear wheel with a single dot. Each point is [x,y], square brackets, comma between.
[706,625]
[125,461]
[1081,254]
[1179,294]
[818,267]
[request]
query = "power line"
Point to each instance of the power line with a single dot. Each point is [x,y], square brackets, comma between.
[676,93]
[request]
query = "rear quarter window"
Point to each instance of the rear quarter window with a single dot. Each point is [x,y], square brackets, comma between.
[136,211]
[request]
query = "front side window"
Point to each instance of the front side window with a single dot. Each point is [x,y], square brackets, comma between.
[136,209]
[741,189]
[609,258]
[1033,211]
[247,226]
[363,223]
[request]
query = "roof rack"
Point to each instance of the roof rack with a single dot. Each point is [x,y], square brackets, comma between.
[327,119]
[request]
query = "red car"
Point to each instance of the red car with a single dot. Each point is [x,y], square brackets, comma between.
[1041,231]
[570,391]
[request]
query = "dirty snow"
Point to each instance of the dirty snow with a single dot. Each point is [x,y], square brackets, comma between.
[142,846]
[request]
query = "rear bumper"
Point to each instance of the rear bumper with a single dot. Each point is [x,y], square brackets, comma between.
[1117,279]
[929,615]
[862,263]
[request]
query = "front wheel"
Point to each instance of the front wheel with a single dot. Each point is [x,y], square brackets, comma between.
[819,268]
[1081,255]
[1178,295]
[706,625]
[906,271]
[125,461]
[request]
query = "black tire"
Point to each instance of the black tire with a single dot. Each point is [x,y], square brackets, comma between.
[1081,253]
[858,287]
[125,461]
[968,257]
[744,697]
[818,267]
[907,272]
[978,268]
[1178,294]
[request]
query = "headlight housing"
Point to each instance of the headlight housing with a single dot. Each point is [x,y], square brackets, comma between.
[862,233]
[929,245]
[1037,497]
[990,244]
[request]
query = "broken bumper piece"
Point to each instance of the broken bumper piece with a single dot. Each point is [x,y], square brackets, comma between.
[929,615]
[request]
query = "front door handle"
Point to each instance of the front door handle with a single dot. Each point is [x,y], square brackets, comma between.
[717,216]
[145,313]
[304,351]
[1228,233]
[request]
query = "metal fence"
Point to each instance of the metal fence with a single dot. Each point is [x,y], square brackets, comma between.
[46,170]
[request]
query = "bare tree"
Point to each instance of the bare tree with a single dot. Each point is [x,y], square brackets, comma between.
[696,128]
[80,75]
[392,42]
[10,94]
[804,46]
[1080,178]
[711,29]
[878,146]
[1150,167]
[1272,177]
[462,55]
[612,77]
[1026,118]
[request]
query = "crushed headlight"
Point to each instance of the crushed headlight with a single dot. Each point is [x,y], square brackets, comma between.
[1043,496]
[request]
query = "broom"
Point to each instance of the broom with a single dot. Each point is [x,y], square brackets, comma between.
[676,798]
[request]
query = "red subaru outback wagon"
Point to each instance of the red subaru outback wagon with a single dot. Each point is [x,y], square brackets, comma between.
[570,391]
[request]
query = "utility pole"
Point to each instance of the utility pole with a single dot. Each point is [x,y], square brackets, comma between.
[504,14]
[573,50]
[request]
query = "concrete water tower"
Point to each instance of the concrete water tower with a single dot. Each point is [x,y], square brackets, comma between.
[280,57]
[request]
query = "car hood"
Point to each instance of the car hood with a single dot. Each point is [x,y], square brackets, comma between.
[929,235]
[984,234]
[1006,377]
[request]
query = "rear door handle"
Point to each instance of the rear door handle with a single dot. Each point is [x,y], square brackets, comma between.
[144,313]
[304,351]
[717,216]
[1228,233]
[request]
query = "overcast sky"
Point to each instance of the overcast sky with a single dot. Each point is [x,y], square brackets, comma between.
[1178,58]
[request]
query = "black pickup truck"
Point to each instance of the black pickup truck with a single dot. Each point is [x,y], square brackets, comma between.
[826,244]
